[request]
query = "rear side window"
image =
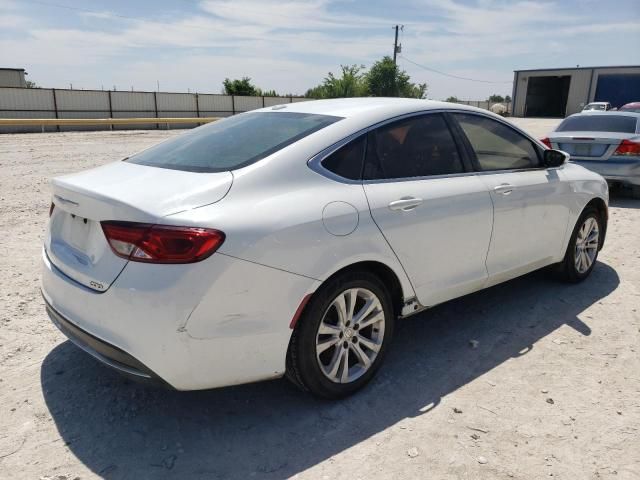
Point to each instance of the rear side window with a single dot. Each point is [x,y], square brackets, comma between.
[599,123]
[497,146]
[414,147]
[233,142]
[346,162]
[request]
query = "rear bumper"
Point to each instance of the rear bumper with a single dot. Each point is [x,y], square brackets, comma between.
[219,322]
[620,169]
[104,352]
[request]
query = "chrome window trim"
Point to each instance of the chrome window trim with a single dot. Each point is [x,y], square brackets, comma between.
[315,162]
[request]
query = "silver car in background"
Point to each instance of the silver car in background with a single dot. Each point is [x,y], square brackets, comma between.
[607,143]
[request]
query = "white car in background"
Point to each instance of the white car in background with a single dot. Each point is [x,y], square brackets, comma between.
[288,240]
[597,106]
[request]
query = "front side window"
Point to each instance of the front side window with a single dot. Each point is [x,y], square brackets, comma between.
[414,147]
[232,143]
[497,147]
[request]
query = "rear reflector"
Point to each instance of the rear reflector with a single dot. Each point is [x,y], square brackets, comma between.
[546,141]
[627,147]
[143,242]
[296,316]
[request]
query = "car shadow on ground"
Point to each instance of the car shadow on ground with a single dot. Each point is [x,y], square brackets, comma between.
[124,430]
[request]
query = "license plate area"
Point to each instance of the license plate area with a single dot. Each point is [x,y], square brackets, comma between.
[584,149]
[77,246]
[77,232]
[76,239]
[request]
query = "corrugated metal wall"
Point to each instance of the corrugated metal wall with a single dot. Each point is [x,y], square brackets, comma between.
[11,77]
[60,103]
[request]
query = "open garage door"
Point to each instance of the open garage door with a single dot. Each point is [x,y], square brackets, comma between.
[547,96]
[618,89]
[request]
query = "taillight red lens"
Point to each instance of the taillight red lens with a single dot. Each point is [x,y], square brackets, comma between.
[143,242]
[546,141]
[53,205]
[627,147]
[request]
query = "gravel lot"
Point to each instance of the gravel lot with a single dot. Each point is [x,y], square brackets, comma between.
[551,391]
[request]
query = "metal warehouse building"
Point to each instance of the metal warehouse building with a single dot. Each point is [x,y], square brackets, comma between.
[563,91]
[12,77]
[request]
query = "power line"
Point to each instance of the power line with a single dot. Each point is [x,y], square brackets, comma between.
[453,76]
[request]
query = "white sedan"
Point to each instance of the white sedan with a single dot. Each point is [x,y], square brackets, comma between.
[288,240]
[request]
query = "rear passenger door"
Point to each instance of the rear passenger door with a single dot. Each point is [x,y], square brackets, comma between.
[529,201]
[433,210]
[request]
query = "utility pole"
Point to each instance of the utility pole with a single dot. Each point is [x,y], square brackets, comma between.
[396,48]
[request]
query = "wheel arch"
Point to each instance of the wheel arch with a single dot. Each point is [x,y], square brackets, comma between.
[387,275]
[601,207]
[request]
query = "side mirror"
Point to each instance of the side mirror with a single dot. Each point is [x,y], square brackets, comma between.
[554,158]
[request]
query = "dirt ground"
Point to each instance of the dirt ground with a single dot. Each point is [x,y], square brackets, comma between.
[552,389]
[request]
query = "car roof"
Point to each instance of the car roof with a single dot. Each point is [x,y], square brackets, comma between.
[631,105]
[370,107]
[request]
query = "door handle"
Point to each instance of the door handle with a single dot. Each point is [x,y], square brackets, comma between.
[405,204]
[504,189]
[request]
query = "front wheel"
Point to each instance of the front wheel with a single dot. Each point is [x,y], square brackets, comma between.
[582,251]
[341,338]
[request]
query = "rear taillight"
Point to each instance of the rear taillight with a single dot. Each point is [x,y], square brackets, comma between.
[53,205]
[627,147]
[143,242]
[546,141]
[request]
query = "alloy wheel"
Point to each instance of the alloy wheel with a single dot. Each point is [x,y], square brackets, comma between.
[586,245]
[350,335]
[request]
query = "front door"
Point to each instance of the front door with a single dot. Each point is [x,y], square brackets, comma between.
[530,211]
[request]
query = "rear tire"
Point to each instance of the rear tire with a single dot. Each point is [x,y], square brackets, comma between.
[342,336]
[583,248]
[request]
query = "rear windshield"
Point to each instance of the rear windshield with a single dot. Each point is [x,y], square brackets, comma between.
[598,123]
[233,142]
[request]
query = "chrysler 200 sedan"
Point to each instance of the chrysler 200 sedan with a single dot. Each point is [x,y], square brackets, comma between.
[288,240]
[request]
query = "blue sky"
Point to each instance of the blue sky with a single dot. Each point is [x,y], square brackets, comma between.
[290,45]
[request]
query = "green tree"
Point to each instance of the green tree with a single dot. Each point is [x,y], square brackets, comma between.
[385,79]
[495,98]
[30,84]
[240,87]
[507,99]
[351,83]
[452,99]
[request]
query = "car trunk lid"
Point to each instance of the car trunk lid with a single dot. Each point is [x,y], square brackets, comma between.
[588,145]
[75,242]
